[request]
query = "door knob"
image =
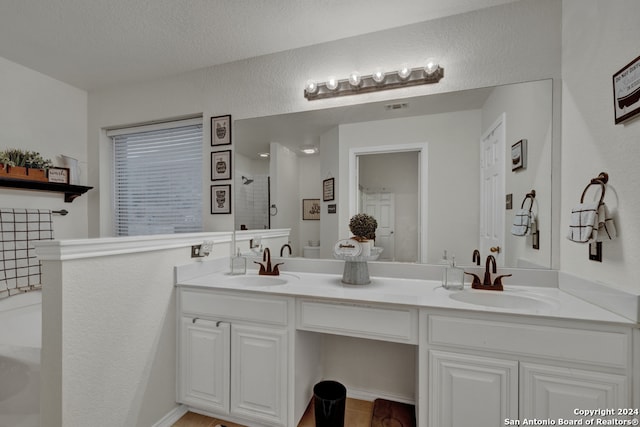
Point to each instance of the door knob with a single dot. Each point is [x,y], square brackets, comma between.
[495,249]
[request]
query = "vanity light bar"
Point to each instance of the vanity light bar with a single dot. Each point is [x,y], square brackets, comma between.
[356,84]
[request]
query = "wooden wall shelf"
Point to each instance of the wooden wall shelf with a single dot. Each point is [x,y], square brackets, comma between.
[70,191]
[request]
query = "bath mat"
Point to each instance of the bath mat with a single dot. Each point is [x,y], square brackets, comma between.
[393,414]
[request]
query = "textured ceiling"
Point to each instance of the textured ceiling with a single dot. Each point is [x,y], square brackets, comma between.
[99,43]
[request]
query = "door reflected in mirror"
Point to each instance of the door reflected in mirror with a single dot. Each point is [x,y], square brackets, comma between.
[388,190]
[452,127]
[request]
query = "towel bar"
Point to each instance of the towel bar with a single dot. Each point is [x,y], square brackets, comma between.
[600,180]
[530,196]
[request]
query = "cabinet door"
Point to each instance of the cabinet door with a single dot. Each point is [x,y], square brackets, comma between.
[259,374]
[204,365]
[467,390]
[554,392]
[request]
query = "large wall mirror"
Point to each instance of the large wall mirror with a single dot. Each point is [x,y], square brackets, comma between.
[445,172]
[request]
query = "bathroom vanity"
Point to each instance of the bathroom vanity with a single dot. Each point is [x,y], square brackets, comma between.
[249,347]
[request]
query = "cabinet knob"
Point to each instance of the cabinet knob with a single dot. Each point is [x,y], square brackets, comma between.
[495,249]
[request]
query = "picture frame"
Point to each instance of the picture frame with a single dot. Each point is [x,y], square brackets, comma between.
[310,209]
[221,165]
[519,155]
[626,91]
[58,175]
[328,189]
[221,130]
[221,199]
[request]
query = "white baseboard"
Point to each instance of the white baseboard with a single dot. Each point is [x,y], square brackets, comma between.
[172,417]
[370,396]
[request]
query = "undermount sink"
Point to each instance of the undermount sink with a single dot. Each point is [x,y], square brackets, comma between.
[256,280]
[501,299]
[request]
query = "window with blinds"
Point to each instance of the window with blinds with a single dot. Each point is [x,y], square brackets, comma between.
[158,178]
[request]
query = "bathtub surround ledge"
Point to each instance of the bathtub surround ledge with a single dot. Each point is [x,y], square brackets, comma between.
[62,250]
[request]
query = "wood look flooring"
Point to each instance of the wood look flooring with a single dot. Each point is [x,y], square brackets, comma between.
[358,413]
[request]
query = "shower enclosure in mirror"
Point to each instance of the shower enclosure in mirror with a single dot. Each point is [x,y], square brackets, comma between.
[252,195]
[452,202]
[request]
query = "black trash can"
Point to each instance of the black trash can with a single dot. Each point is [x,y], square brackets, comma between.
[329,398]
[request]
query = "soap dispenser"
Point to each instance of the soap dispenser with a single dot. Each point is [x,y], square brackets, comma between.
[238,264]
[445,263]
[453,277]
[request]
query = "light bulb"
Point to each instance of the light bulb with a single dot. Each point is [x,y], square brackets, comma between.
[431,67]
[355,79]
[404,72]
[311,87]
[332,83]
[378,76]
[309,149]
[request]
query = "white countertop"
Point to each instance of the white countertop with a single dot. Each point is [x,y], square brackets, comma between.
[549,302]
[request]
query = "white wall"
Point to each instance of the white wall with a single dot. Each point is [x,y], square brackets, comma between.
[525,120]
[109,358]
[606,34]
[42,114]
[284,171]
[452,140]
[329,223]
[309,187]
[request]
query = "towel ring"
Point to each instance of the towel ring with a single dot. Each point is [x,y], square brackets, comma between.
[529,196]
[601,180]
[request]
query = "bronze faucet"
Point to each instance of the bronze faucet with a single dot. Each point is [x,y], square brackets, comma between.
[265,266]
[486,283]
[286,245]
[487,275]
[476,257]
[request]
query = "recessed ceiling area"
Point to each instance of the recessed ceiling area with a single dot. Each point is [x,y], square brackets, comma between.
[93,44]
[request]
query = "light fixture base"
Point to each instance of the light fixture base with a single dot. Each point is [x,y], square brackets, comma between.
[392,80]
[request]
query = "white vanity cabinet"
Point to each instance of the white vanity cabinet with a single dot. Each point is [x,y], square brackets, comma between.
[485,369]
[204,364]
[232,357]
[471,390]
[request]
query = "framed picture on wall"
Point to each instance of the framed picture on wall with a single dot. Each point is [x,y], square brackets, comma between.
[328,187]
[60,175]
[221,199]
[311,209]
[519,155]
[626,91]
[220,130]
[220,165]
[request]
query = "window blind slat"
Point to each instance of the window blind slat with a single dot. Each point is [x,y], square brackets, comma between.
[157,181]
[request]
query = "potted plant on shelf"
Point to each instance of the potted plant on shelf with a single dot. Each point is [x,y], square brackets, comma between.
[363,227]
[23,164]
